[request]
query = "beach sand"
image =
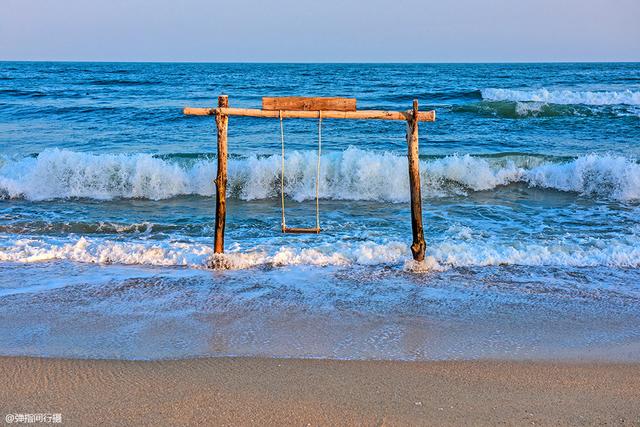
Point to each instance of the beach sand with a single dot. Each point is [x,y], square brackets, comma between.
[255,391]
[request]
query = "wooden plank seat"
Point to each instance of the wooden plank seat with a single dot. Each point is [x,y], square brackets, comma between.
[298,230]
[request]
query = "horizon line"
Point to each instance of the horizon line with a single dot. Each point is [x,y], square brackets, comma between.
[319,62]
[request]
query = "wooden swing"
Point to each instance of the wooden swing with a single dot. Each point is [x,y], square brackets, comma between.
[315,108]
[316,229]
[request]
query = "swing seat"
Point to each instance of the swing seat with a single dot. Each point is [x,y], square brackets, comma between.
[299,230]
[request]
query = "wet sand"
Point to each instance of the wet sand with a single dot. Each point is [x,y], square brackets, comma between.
[255,391]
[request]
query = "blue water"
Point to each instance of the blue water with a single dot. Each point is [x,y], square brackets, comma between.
[531,198]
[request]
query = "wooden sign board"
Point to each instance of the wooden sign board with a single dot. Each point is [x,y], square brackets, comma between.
[301,103]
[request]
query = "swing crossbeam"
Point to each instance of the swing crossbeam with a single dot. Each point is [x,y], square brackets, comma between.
[314,108]
[423,116]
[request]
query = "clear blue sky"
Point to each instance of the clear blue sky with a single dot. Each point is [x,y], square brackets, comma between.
[321,30]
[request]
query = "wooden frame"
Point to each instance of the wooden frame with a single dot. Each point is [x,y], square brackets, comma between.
[308,108]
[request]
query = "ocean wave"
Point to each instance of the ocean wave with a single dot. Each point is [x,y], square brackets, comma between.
[622,252]
[443,95]
[22,93]
[516,110]
[353,174]
[58,173]
[122,82]
[88,227]
[101,251]
[564,97]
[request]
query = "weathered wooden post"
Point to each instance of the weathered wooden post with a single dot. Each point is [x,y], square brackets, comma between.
[418,246]
[222,122]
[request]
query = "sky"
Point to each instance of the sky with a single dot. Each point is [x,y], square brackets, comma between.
[321,30]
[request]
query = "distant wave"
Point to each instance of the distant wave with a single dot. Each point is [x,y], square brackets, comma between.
[122,82]
[563,97]
[436,96]
[620,252]
[520,109]
[22,93]
[516,110]
[515,104]
[353,174]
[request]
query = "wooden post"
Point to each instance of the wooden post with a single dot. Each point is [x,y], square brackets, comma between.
[418,246]
[222,122]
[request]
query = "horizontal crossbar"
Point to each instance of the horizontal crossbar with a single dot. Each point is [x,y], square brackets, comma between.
[423,116]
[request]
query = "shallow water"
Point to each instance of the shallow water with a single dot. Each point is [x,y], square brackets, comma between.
[531,187]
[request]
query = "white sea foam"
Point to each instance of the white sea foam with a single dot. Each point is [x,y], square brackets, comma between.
[353,174]
[62,173]
[104,251]
[623,251]
[546,96]
[524,109]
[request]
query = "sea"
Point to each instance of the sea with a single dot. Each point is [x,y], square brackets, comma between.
[531,204]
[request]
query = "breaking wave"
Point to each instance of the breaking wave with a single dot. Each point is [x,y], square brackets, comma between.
[514,103]
[353,174]
[516,110]
[565,97]
[620,252]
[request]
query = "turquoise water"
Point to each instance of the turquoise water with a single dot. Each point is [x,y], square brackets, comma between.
[531,188]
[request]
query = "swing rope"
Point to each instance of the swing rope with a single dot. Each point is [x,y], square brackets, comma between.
[318,171]
[284,223]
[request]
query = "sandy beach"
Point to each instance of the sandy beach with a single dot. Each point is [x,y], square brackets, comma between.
[255,391]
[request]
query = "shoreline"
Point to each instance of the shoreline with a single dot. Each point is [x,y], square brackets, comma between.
[263,391]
